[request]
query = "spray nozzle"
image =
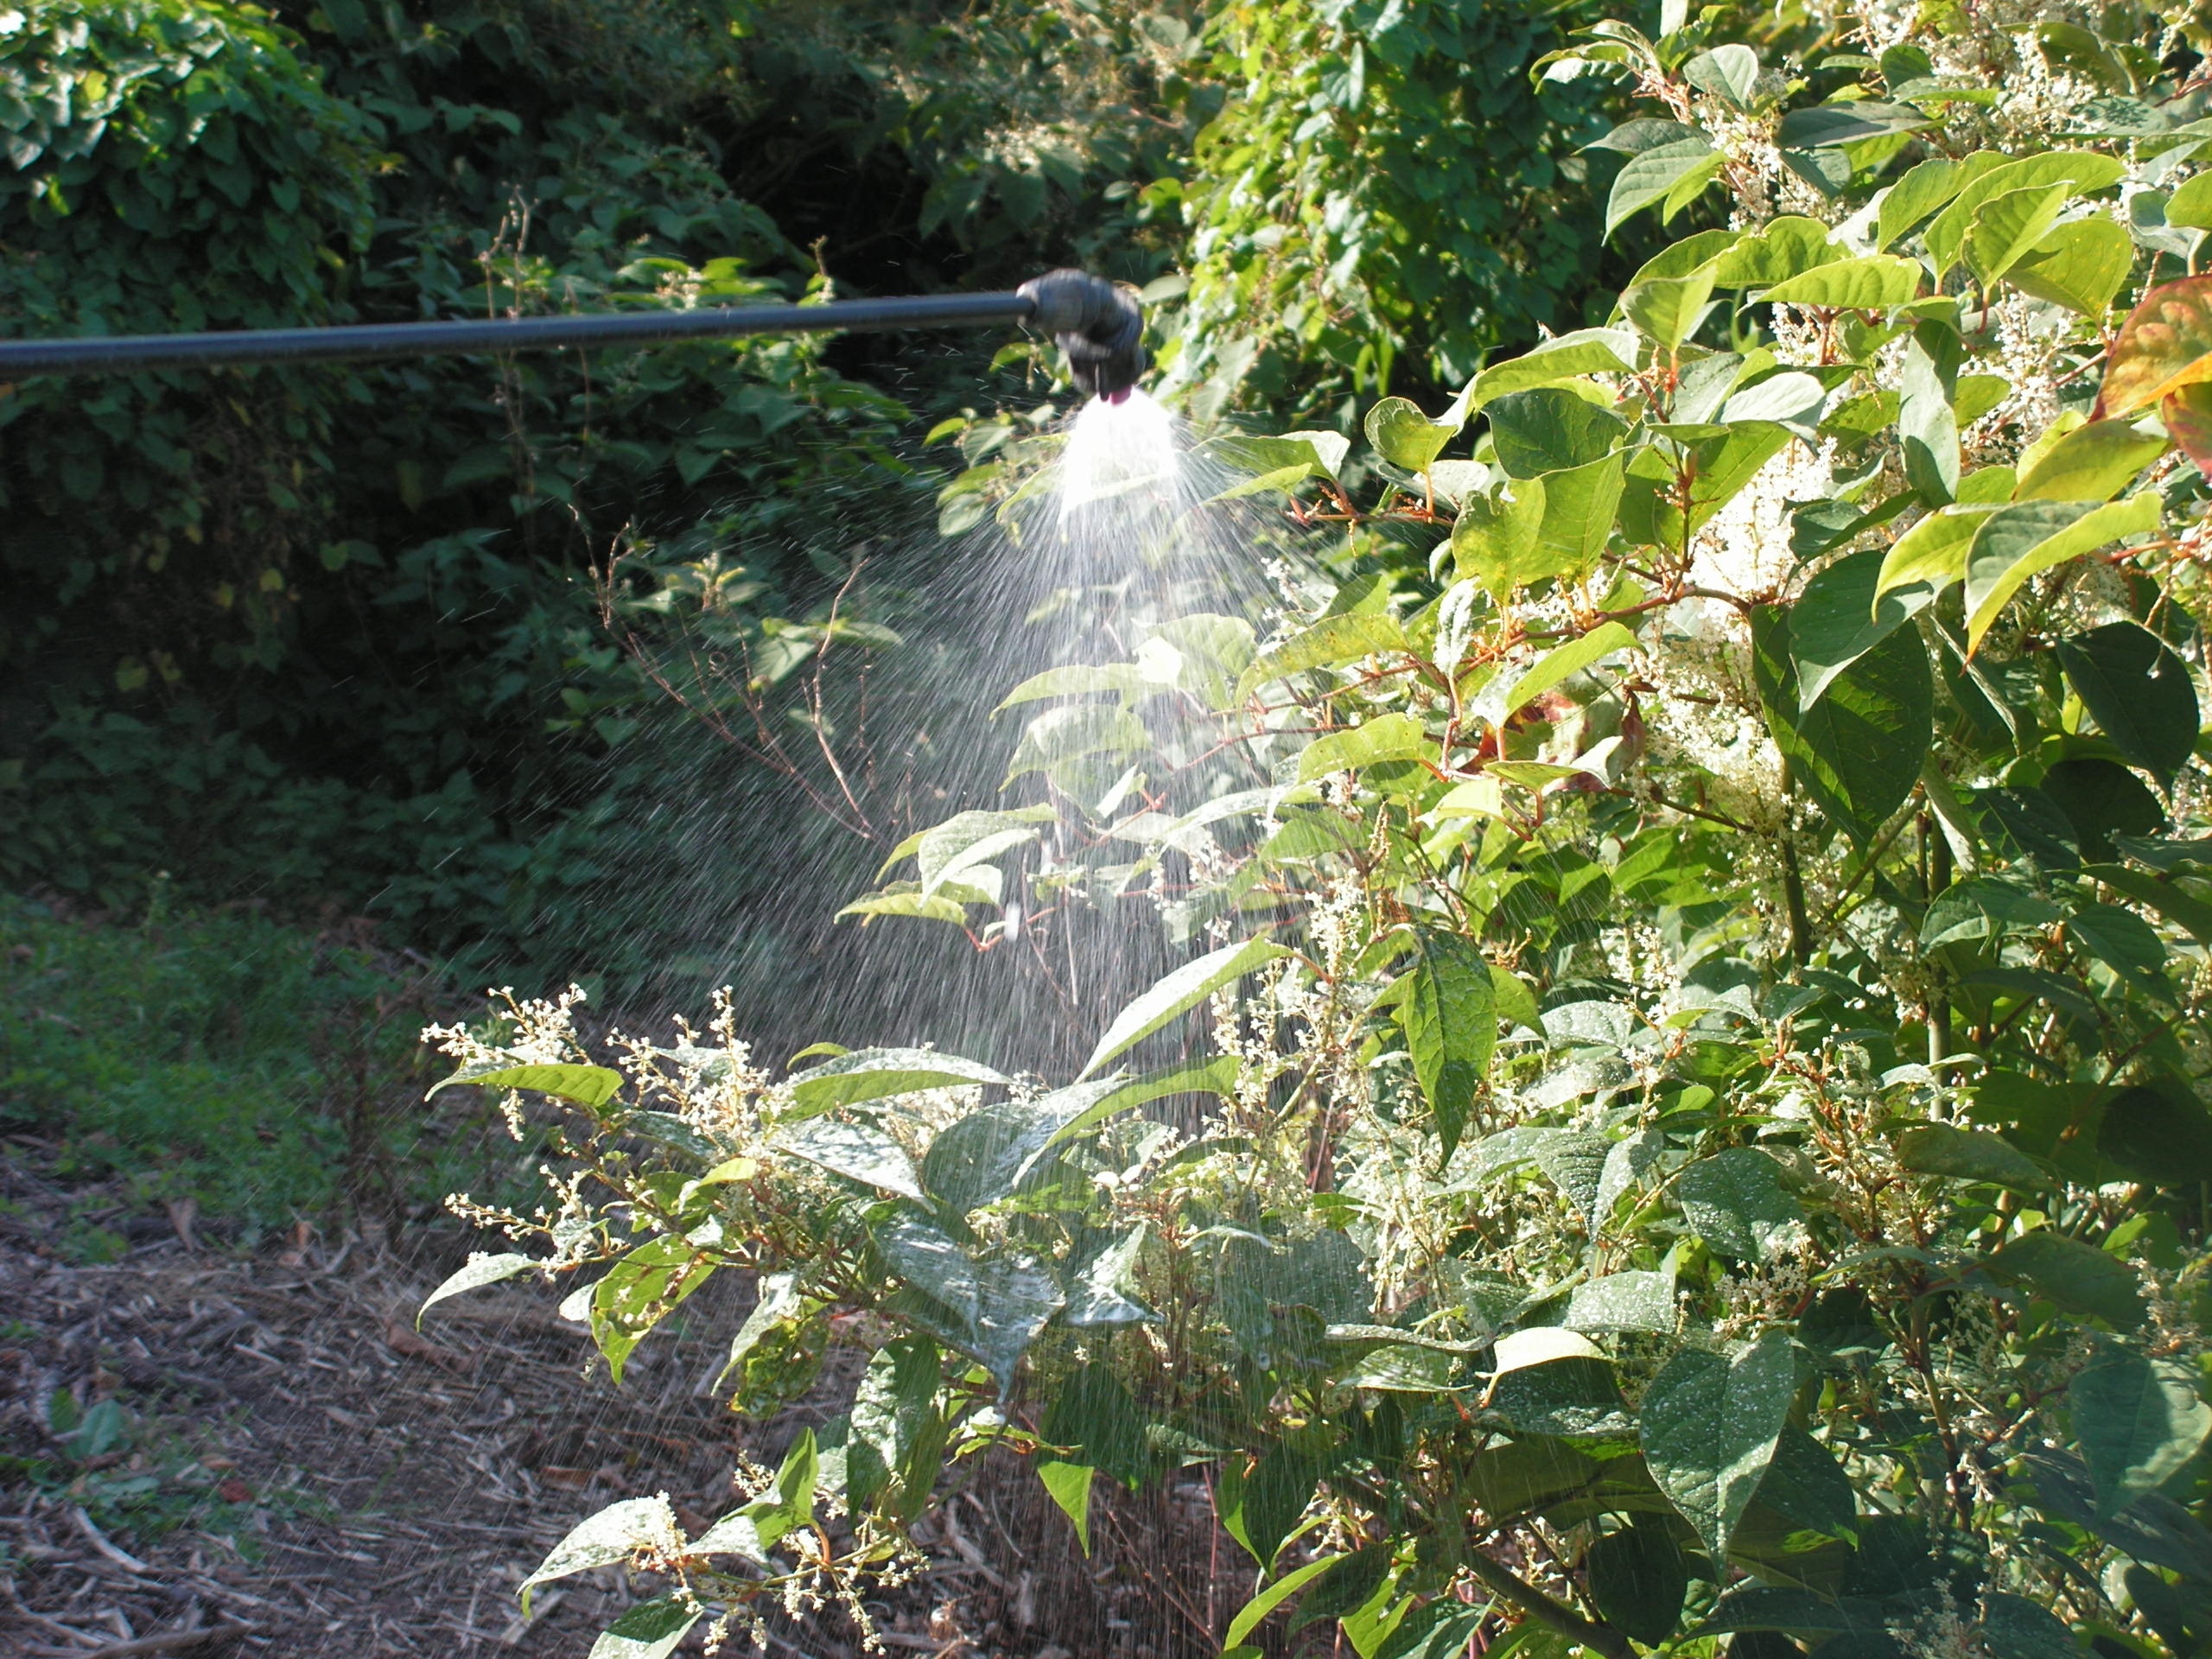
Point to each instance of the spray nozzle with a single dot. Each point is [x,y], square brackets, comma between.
[1097,325]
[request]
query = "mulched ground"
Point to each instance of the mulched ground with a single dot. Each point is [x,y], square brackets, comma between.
[267,1459]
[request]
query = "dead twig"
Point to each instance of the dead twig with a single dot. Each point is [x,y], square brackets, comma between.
[173,1641]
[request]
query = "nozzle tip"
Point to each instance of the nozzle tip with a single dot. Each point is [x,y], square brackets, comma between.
[1098,326]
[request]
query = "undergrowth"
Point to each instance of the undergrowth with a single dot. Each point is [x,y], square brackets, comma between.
[259,1072]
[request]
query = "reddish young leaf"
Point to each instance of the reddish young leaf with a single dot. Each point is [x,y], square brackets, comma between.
[2164,345]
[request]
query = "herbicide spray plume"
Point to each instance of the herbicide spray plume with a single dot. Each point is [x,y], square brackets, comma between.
[1120,446]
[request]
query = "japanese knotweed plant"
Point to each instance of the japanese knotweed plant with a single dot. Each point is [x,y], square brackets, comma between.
[1700,1005]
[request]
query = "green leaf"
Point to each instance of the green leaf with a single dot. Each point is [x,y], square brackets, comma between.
[1248,1619]
[1121,679]
[1440,1629]
[1720,465]
[2124,942]
[1072,732]
[779,1300]
[2158,1134]
[2080,266]
[1306,454]
[1098,1286]
[857,1148]
[1730,72]
[1830,124]
[1547,428]
[1629,1301]
[1809,1488]
[992,1307]
[1180,992]
[2079,170]
[1330,643]
[945,851]
[1351,1583]
[1920,192]
[1876,282]
[895,1446]
[1068,1485]
[2028,537]
[1638,1578]
[1932,553]
[2007,225]
[904,899]
[1450,1016]
[1580,504]
[589,1086]
[609,1537]
[2092,462]
[641,1290]
[1498,543]
[2078,1277]
[2139,690]
[1386,737]
[1786,246]
[2012,1627]
[877,1073]
[2100,799]
[1658,174]
[1501,698]
[1094,1414]
[2190,205]
[1280,1485]
[1928,423]
[1842,614]
[2138,1421]
[1735,1202]
[988,1154]
[1709,1425]
[2165,345]
[1666,310]
[1968,1155]
[1586,351]
[1405,437]
[649,1630]
[1856,752]
[1200,654]
[482,1269]
[1779,1607]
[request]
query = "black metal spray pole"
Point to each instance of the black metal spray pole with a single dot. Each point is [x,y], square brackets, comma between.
[1096,323]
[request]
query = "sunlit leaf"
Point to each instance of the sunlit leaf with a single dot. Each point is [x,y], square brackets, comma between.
[481,1270]
[875,1073]
[1178,993]
[1656,175]
[2092,462]
[2080,266]
[1586,351]
[1387,737]
[591,1086]
[1876,282]
[2023,540]
[1932,555]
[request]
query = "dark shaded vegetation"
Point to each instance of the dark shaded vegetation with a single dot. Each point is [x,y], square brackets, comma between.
[331,634]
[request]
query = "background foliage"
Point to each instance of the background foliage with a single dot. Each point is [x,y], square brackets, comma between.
[331,635]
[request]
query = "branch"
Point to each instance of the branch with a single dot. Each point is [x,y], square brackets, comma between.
[1563,1621]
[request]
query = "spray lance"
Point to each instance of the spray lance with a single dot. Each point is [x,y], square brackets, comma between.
[1097,323]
